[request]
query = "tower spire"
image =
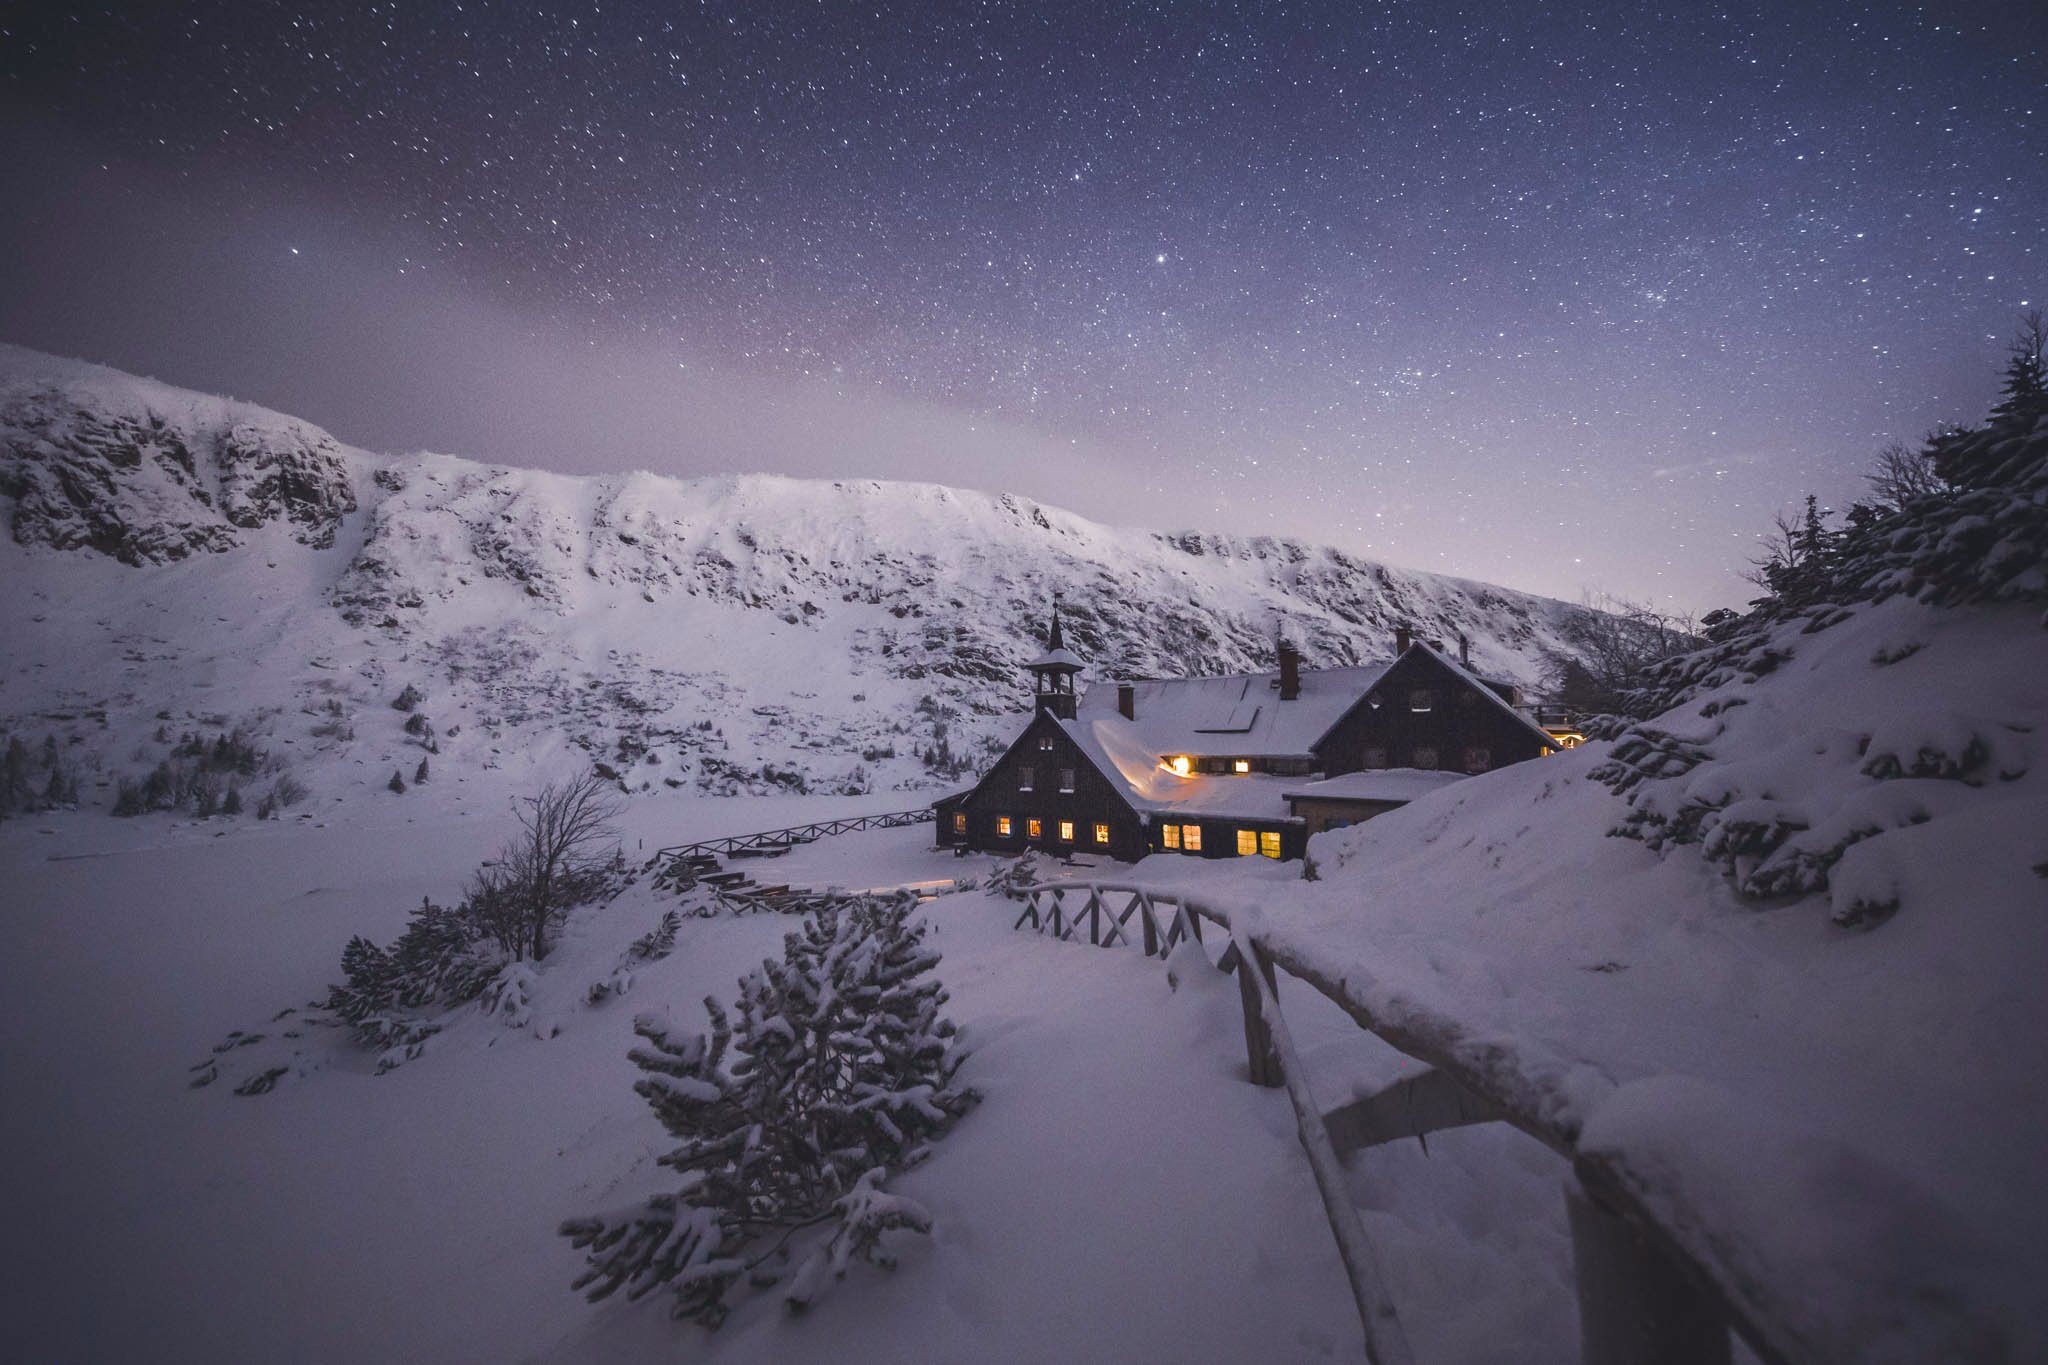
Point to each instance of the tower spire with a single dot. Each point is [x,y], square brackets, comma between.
[1052,673]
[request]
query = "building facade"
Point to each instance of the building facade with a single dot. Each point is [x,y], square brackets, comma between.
[1233,766]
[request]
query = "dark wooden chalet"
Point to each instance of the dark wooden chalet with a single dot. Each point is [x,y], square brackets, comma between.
[1245,764]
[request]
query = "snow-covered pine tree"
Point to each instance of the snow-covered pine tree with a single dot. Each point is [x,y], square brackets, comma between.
[838,1072]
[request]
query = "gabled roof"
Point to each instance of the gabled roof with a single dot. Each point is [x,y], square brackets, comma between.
[1133,767]
[1239,714]
[1479,684]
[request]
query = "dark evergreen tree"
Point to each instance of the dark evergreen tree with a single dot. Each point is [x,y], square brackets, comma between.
[838,1072]
[397,782]
[232,803]
[419,774]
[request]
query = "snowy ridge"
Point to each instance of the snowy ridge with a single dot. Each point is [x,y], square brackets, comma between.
[742,633]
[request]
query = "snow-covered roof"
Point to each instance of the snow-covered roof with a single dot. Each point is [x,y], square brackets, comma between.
[1057,658]
[1238,714]
[1154,789]
[1375,784]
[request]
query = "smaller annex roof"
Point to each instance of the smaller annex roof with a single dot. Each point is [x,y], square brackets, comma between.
[1375,784]
[1238,714]
[1153,789]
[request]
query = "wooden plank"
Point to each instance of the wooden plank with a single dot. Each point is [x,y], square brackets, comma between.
[1635,1306]
[1428,1103]
[1385,1342]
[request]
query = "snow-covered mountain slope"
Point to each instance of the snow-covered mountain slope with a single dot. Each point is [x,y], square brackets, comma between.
[180,561]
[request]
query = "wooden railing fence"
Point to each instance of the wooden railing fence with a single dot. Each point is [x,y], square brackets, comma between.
[1643,1299]
[780,840]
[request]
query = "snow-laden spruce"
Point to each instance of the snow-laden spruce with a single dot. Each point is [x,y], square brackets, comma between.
[834,1071]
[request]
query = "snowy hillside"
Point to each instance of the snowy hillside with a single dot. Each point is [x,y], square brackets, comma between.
[183,564]
[1775,955]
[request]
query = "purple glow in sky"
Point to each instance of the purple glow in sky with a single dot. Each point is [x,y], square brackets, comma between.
[1556,296]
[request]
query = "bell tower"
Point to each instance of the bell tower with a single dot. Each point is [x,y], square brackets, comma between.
[1052,673]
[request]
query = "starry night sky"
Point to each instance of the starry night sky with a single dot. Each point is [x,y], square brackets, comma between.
[1559,296]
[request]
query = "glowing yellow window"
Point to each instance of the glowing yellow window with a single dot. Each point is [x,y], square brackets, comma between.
[1101,833]
[1240,765]
[1066,831]
[1033,830]
[1169,836]
[1269,843]
[1003,827]
[1181,764]
[1191,838]
[959,822]
[1247,843]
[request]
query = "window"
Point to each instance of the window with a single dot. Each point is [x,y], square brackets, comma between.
[1269,843]
[1240,765]
[1247,843]
[1066,779]
[1034,829]
[1066,831]
[1024,776]
[1045,743]
[959,822]
[1477,760]
[1181,764]
[1191,838]
[1373,758]
[1101,833]
[1421,700]
[1003,827]
[1169,837]
[1422,756]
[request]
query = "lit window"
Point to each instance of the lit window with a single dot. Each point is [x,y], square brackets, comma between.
[1420,700]
[1066,779]
[1191,838]
[1045,742]
[1247,843]
[1024,776]
[1066,831]
[959,822]
[1003,827]
[1269,843]
[1374,758]
[1101,833]
[1170,836]
[1034,830]
[1181,764]
[1477,760]
[1422,756]
[1240,765]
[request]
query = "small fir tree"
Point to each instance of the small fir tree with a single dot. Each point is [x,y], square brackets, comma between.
[419,774]
[837,1071]
[397,782]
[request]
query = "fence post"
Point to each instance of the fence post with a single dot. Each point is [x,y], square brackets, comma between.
[1635,1306]
[1151,925]
[1260,1058]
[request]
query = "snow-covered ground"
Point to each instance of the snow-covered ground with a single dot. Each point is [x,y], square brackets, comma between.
[1122,1191]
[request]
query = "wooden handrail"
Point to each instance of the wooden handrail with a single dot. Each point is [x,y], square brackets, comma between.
[1470,1064]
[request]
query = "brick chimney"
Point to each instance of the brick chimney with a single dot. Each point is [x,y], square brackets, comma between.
[1403,637]
[1290,671]
[1127,701]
